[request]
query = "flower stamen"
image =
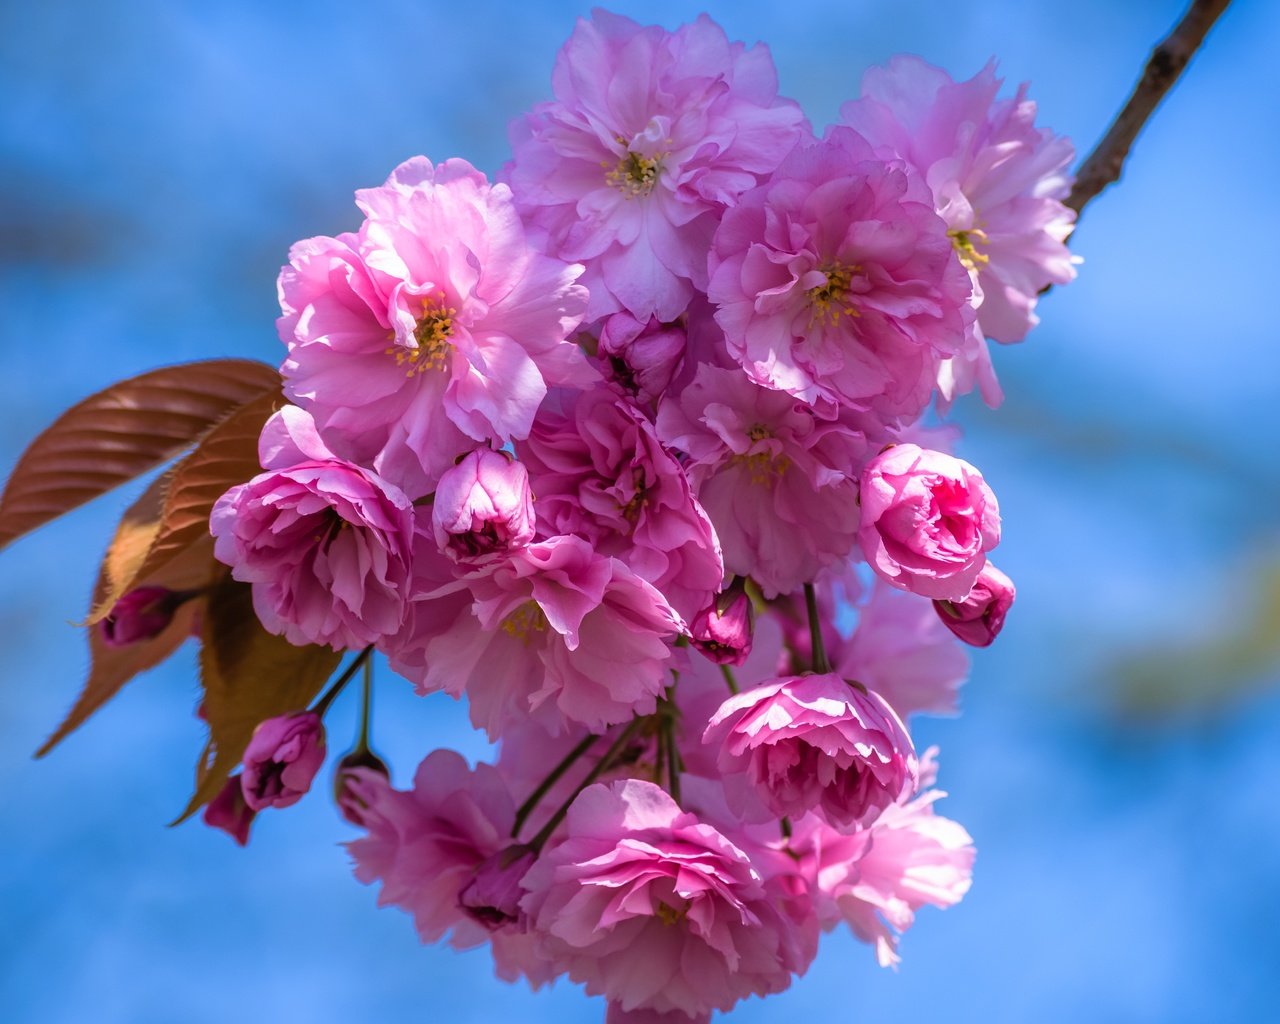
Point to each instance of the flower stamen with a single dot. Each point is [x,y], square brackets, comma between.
[830,301]
[435,327]
[965,244]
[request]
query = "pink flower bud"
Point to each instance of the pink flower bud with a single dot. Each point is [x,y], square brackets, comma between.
[928,521]
[483,505]
[723,630]
[643,356]
[281,759]
[229,812]
[978,619]
[141,614]
[492,896]
[350,804]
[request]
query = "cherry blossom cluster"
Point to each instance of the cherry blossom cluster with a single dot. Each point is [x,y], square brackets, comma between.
[635,450]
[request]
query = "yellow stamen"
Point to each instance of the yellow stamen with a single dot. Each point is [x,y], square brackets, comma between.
[527,619]
[635,175]
[830,301]
[435,327]
[965,244]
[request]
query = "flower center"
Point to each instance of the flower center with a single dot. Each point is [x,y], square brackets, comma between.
[763,467]
[670,915]
[435,327]
[828,302]
[528,618]
[965,244]
[635,175]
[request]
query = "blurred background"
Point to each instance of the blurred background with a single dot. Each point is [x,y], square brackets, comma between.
[1118,756]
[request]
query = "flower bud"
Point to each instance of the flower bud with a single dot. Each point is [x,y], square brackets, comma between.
[281,759]
[229,812]
[643,356]
[723,630]
[141,614]
[350,804]
[492,896]
[978,619]
[483,505]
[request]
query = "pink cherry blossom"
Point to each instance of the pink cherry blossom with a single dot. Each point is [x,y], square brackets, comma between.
[282,758]
[556,631]
[645,904]
[835,280]
[642,356]
[437,326]
[424,845]
[483,505]
[723,630]
[652,134]
[904,653]
[601,473]
[816,742]
[928,521]
[327,545]
[141,614]
[778,481]
[978,619]
[230,812]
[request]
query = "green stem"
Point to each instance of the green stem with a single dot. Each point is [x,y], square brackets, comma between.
[673,759]
[603,765]
[327,698]
[729,679]
[544,787]
[820,663]
[366,705]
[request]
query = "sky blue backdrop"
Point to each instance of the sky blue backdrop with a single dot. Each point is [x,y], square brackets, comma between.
[158,159]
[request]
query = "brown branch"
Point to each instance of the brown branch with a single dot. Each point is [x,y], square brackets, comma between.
[1104,164]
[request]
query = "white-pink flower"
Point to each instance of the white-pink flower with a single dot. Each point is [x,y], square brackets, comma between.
[437,326]
[778,481]
[652,134]
[645,904]
[835,280]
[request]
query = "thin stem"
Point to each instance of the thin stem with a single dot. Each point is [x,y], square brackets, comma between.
[820,663]
[729,679]
[544,787]
[673,759]
[366,706]
[603,765]
[1168,59]
[322,705]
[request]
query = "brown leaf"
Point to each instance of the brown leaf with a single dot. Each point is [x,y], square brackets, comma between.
[226,455]
[120,433]
[112,667]
[248,675]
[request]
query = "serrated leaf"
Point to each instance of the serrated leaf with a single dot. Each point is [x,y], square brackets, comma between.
[248,675]
[121,433]
[112,667]
[225,456]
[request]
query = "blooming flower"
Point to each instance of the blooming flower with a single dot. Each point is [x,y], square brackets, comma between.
[928,521]
[778,481]
[997,180]
[327,545]
[655,910]
[816,742]
[835,280]
[601,473]
[281,759]
[652,134]
[978,619]
[437,326]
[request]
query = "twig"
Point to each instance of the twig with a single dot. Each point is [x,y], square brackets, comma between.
[1104,164]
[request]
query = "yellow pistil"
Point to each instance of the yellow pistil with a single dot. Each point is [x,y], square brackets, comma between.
[435,327]
[831,301]
[528,618]
[670,915]
[634,175]
[762,467]
[965,244]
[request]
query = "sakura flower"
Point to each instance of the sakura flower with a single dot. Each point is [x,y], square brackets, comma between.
[645,904]
[558,632]
[326,545]
[230,812]
[835,280]
[643,356]
[141,614]
[425,845]
[816,741]
[723,630]
[997,180]
[652,134]
[437,326]
[778,481]
[978,619]
[483,505]
[901,650]
[928,520]
[601,473]
[282,758]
